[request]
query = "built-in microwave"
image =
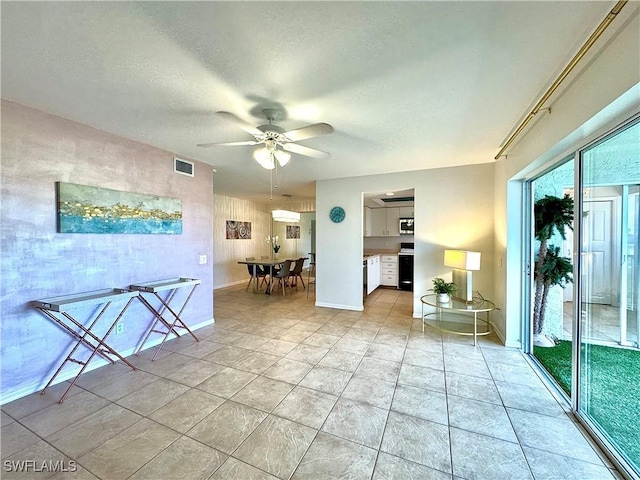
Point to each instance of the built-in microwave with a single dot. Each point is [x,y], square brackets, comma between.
[406,226]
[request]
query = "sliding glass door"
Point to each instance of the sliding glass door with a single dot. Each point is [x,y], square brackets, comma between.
[585,286]
[552,289]
[608,393]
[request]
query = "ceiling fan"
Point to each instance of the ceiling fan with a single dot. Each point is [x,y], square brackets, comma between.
[277,142]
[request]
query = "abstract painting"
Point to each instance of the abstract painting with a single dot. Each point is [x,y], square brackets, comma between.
[293,231]
[86,209]
[238,230]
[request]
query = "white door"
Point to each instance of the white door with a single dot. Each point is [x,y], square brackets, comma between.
[597,250]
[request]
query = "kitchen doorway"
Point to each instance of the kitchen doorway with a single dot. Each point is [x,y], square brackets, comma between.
[388,233]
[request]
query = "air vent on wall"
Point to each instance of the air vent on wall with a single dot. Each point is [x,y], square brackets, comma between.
[183,167]
[397,199]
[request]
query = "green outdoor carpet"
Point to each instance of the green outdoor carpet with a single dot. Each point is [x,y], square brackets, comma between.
[610,389]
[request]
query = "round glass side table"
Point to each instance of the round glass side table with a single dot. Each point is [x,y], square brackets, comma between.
[457,316]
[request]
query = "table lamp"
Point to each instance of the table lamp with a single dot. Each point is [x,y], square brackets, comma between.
[463,263]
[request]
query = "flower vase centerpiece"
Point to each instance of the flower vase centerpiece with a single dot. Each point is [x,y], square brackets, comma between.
[274,244]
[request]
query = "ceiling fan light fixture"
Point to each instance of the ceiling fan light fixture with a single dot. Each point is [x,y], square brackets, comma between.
[282,157]
[264,157]
[285,216]
[277,144]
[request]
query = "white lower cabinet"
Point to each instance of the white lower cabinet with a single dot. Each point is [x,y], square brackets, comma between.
[389,271]
[373,273]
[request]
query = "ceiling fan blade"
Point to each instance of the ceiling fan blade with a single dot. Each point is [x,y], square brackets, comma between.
[308,132]
[230,117]
[306,151]
[229,144]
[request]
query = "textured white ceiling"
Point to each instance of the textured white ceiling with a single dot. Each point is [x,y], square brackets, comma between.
[407,85]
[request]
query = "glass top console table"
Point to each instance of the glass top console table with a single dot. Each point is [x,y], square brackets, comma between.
[163,313]
[457,316]
[64,310]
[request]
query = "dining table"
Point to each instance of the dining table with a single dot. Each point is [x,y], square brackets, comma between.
[266,263]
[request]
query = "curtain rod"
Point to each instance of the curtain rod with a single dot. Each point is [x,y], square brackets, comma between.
[567,70]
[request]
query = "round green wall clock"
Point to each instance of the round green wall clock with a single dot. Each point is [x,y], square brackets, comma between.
[336,214]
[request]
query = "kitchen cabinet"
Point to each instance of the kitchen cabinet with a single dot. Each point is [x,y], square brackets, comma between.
[393,222]
[367,221]
[406,212]
[389,270]
[378,222]
[373,273]
[382,222]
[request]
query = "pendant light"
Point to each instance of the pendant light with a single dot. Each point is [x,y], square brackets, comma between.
[286,216]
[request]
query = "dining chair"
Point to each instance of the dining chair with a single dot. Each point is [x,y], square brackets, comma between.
[296,272]
[311,270]
[282,275]
[256,272]
[312,263]
[269,271]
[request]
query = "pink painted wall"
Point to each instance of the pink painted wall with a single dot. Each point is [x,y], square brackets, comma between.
[38,150]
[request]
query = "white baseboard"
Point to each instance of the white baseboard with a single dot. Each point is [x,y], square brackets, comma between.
[230,284]
[341,307]
[97,362]
[498,332]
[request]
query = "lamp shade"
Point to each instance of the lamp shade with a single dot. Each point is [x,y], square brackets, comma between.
[285,216]
[462,259]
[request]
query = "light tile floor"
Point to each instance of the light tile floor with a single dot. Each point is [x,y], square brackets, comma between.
[601,325]
[279,388]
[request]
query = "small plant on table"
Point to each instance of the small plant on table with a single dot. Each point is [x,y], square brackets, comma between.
[443,289]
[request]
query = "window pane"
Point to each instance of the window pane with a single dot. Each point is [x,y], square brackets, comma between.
[552,296]
[609,393]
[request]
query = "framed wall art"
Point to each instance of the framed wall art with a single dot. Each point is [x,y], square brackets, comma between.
[293,231]
[87,209]
[238,230]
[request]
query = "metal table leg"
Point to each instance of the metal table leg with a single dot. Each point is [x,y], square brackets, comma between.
[84,335]
[160,314]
